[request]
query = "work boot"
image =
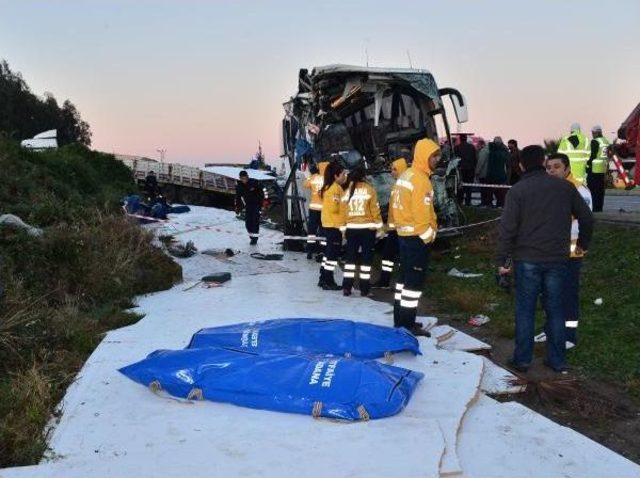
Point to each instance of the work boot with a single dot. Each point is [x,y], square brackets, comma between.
[322,277]
[331,286]
[418,331]
[253,241]
[384,282]
[309,256]
[396,314]
[346,292]
[319,257]
[365,290]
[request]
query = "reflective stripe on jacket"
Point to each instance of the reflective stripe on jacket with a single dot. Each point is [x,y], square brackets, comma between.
[361,210]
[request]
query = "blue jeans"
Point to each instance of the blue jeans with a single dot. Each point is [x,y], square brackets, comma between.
[572,300]
[532,280]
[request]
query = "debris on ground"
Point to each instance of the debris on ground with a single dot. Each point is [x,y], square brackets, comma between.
[598,301]
[182,250]
[478,320]
[454,272]
[15,222]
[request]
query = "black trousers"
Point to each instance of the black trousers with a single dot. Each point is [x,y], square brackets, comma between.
[314,231]
[414,259]
[363,241]
[252,220]
[331,254]
[468,176]
[389,257]
[595,183]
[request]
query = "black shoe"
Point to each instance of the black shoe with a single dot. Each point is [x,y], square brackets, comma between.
[365,293]
[518,367]
[419,331]
[330,286]
[309,256]
[346,292]
[319,258]
[562,369]
[381,285]
[253,241]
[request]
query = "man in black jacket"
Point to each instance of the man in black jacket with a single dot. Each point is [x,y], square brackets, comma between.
[535,232]
[250,196]
[468,161]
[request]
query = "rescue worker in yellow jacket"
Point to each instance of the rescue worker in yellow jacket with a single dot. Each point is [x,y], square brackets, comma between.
[332,220]
[576,146]
[559,165]
[361,213]
[416,223]
[390,251]
[315,240]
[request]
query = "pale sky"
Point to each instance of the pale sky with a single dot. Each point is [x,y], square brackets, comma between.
[206,79]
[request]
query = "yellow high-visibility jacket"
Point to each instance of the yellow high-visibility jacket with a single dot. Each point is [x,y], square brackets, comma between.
[412,196]
[575,227]
[361,210]
[331,213]
[401,165]
[314,183]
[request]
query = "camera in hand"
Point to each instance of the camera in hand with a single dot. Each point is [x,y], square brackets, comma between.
[504,280]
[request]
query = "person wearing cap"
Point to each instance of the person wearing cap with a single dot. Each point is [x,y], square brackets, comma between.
[576,146]
[416,222]
[390,249]
[597,167]
[250,196]
[558,165]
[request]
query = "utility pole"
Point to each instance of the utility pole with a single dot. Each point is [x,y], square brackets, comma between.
[162,152]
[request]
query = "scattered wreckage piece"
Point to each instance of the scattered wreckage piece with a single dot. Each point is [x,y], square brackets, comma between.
[15,222]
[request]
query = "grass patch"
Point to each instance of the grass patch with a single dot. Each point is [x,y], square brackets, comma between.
[609,334]
[63,290]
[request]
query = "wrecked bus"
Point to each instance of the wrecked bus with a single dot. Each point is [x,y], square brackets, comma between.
[367,116]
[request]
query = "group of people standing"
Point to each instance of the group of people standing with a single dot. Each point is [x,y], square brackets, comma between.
[348,208]
[497,166]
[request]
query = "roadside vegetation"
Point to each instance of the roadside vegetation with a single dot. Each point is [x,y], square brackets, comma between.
[609,334]
[64,289]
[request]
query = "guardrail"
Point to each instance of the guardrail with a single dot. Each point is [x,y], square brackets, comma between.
[181,175]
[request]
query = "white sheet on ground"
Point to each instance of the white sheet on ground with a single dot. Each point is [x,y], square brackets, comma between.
[111,426]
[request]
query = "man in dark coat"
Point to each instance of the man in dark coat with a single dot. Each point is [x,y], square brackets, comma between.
[250,197]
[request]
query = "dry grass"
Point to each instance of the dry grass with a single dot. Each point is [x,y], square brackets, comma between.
[63,292]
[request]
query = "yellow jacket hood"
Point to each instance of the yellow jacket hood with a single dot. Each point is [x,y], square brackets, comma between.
[425,148]
[401,165]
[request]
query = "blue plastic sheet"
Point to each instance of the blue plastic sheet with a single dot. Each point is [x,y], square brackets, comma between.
[329,336]
[318,385]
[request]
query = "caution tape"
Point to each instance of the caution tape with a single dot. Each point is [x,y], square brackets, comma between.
[482,185]
[445,229]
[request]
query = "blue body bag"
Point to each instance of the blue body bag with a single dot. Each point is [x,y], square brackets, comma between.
[327,336]
[317,385]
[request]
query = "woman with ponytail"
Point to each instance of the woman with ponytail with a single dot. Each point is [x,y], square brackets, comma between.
[362,220]
[332,220]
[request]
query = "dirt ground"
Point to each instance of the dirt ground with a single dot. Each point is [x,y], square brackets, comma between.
[596,409]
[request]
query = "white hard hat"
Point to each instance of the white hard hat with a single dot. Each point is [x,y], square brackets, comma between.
[575,127]
[597,128]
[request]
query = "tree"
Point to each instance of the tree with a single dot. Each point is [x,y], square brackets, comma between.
[72,129]
[24,114]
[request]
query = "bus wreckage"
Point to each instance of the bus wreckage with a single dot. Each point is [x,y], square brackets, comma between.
[367,117]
